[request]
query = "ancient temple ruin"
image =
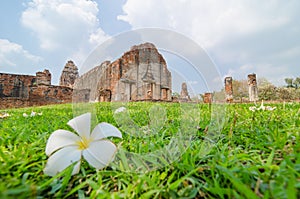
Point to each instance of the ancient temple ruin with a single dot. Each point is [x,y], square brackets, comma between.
[184,94]
[208,98]
[29,90]
[69,75]
[253,91]
[140,74]
[228,89]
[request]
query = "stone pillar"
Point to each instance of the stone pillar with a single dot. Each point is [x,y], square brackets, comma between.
[228,89]
[184,94]
[207,98]
[253,91]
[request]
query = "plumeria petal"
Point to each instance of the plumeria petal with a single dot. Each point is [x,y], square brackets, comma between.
[100,153]
[59,139]
[269,108]
[120,109]
[62,159]
[32,114]
[252,108]
[104,130]
[4,115]
[82,125]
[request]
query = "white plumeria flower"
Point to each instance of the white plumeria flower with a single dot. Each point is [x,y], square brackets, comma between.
[65,147]
[4,115]
[252,108]
[32,114]
[269,108]
[262,107]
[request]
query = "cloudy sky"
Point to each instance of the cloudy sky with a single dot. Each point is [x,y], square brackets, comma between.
[240,36]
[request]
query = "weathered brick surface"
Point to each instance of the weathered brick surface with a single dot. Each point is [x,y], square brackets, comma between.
[13,102]
[17,86]
[43,78]
[43,95]
[207,98]
[88,82]
[27,90]
[140,74]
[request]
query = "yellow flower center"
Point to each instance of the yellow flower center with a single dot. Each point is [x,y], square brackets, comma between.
[83,143]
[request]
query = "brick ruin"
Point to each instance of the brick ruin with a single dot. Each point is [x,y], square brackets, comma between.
[253,90]
[208,98]
[140,74]
[228,89]
[184,94]
[69,75]
[28,90]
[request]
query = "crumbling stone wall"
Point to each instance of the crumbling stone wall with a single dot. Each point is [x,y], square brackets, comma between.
[43,78]
[15,86]
[27,90]
[88,82]
[43,95]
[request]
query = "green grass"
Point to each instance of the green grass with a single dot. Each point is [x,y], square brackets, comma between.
[257,155]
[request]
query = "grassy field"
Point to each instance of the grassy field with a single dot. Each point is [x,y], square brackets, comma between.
[255,155]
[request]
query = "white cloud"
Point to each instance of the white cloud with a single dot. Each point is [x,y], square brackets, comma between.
[208,21]
[98,37]
[64,24]
[240,36]
[13,57]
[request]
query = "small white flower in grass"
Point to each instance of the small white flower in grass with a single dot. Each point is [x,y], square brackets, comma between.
[120,110]
[65,147]
[252,108]
[32,114]
[4,115]
[262,107]
[269,108]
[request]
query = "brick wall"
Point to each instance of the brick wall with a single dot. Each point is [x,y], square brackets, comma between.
[23,90]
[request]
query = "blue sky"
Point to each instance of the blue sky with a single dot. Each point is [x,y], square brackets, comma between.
[240,37]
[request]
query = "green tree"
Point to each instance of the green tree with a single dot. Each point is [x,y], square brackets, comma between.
[240,89]
[289,82]
[296,82]
[267,91]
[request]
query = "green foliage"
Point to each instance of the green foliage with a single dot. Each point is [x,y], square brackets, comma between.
[240,89]
[289,82]
[257,156]
[292,83]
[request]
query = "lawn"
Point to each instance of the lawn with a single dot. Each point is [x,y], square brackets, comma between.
[168,150]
